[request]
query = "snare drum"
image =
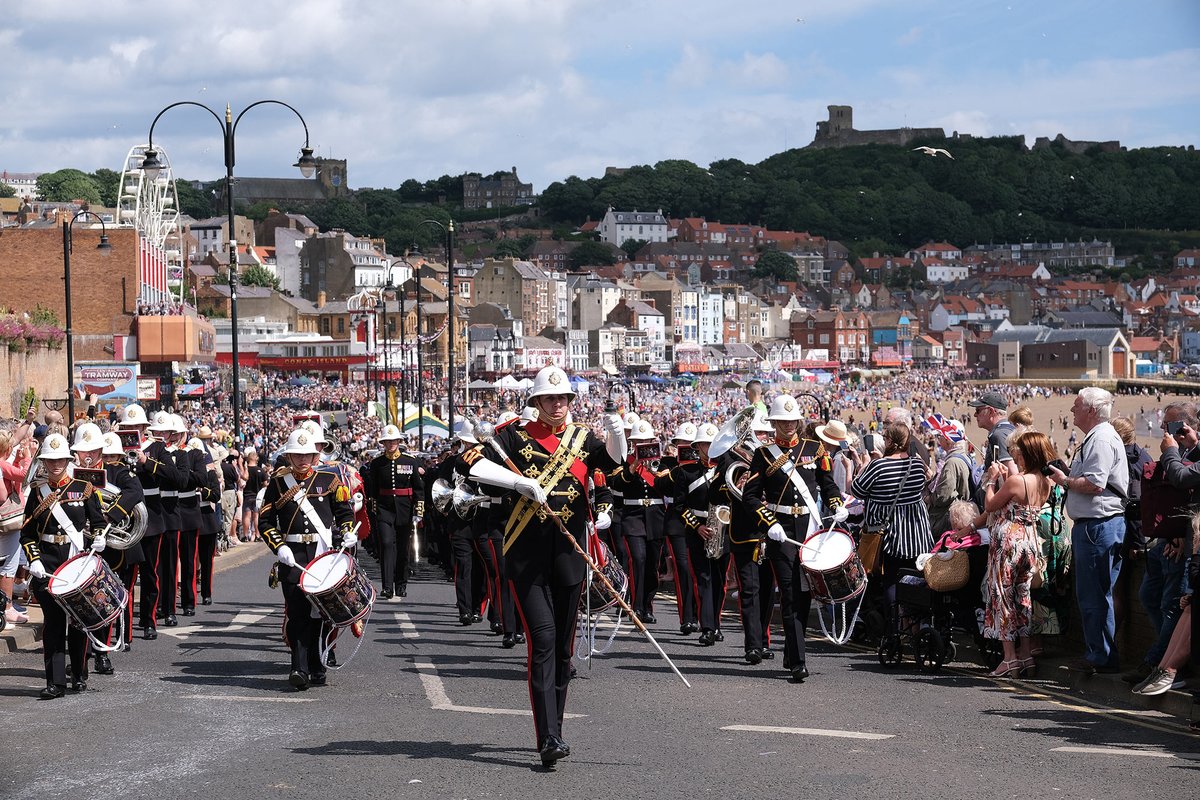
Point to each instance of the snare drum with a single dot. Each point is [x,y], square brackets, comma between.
[89,591]
[832,565]
[337,588]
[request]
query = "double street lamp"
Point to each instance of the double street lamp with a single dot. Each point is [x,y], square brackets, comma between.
[151,166]
[448,232]
[105,249]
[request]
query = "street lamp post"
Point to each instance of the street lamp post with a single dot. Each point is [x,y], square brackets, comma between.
[388,288]
[420,371]
[448,230]
[151,166]
[403,360]
[105,249]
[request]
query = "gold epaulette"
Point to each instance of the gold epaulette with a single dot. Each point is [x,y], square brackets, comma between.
[282,471]
[778,463]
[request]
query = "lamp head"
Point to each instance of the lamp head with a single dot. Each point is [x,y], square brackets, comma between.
[104,247]
[307,164]
[150,164]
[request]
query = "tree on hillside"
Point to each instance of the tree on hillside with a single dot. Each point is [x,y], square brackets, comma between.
[257,275]
[66,185]
[508,248]
[109,183]
[592,254]
[776,264]
[631,246]
[7,191]
[196,203]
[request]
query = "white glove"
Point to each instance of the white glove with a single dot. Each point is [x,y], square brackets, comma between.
[603,521]
[98,544]
[349,541]
[38,570]
[284,556]
[614,438]
[613,423]
[841,514]
[530,488]
[776,533]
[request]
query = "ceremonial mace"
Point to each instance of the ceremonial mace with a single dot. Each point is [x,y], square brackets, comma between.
[485,432]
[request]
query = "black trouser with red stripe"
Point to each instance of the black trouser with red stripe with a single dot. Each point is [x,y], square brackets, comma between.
[395,545]
[548,614]
[468,570]
[188,542]
[794,602]
[58,639]
[685,586]
[208,551]
[750,599]
[709,575]
[151,549]
[168,572]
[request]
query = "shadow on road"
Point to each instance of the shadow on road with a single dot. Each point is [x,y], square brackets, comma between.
[422,749]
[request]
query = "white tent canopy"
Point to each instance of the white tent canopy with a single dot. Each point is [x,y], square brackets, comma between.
[508,382]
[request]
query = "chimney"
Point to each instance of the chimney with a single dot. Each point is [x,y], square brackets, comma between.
[321,299]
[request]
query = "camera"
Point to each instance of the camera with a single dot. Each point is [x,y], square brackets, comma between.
[1175,427]
[1056,463]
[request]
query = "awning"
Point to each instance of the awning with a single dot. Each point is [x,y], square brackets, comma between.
[610,370]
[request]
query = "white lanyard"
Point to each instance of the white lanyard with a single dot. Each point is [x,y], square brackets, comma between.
[314,519]
[789,469]
[64,522]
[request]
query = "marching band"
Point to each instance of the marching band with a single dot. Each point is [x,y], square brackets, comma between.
[525,514]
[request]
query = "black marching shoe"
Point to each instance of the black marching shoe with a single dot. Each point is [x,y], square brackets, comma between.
[753,656]
[189,612]
[497,627]
[207,601]
[799,673]
[688,628]
[519,637]
[298,679]
[170,621]
[508,642]
[466,619]
[52,691]
[386,594]
[552,749]
[649,619]
[104,665]
[149,633]
[79,685]
[706,639]
[767,654]
[718,636]
[476,617]
[403,590]
[318,679]
[331,659]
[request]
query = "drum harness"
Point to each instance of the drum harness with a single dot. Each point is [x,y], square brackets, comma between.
[324,538]
[836,631]
[51,500]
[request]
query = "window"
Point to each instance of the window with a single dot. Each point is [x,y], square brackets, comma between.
[824,338]
[341,326]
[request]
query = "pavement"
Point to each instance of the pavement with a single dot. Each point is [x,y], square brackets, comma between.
[428,708]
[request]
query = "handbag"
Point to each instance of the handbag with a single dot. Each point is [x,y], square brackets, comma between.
[12,511]
[947,570]
[1038,577]
[870,540]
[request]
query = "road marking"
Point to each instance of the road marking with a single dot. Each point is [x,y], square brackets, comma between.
[246,617]
[809,732]
[251,698]
[1125,751]
[435,691]
[180,631]
[407,629]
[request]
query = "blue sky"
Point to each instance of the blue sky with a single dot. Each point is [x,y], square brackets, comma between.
[406,89]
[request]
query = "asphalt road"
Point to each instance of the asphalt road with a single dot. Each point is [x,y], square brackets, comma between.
[431,709]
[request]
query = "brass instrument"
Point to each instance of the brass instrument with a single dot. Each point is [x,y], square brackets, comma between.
[648,453]
[735,478]
[719,518]
[442,493]
[734,435]
[464,501]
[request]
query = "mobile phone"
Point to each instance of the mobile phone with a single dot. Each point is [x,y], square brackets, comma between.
[1173,428]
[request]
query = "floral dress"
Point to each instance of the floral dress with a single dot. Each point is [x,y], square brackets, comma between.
[1012,558]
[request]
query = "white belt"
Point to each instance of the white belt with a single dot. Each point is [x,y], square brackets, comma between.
[700,514]
[644,501]
[152,492]
[795,511]
[307,538]
[51,538]
[170,493]
[192,493]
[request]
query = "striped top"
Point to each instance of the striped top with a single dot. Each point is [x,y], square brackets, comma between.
[878,485]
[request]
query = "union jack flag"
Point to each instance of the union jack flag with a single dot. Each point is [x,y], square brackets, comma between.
[949,428]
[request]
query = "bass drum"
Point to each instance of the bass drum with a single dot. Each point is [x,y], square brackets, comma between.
[597,597]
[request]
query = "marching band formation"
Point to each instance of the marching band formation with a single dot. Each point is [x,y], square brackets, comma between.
[541,522]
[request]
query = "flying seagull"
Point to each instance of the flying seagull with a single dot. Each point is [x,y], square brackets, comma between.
[934,151]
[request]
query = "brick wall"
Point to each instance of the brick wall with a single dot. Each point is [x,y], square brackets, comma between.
[43,369]
[104,289]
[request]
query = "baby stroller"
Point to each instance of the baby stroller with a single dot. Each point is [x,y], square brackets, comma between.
[924,622]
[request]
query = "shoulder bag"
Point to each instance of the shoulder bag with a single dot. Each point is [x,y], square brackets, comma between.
[870,540]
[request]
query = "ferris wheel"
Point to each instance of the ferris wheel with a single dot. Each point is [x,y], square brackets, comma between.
[151,206]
